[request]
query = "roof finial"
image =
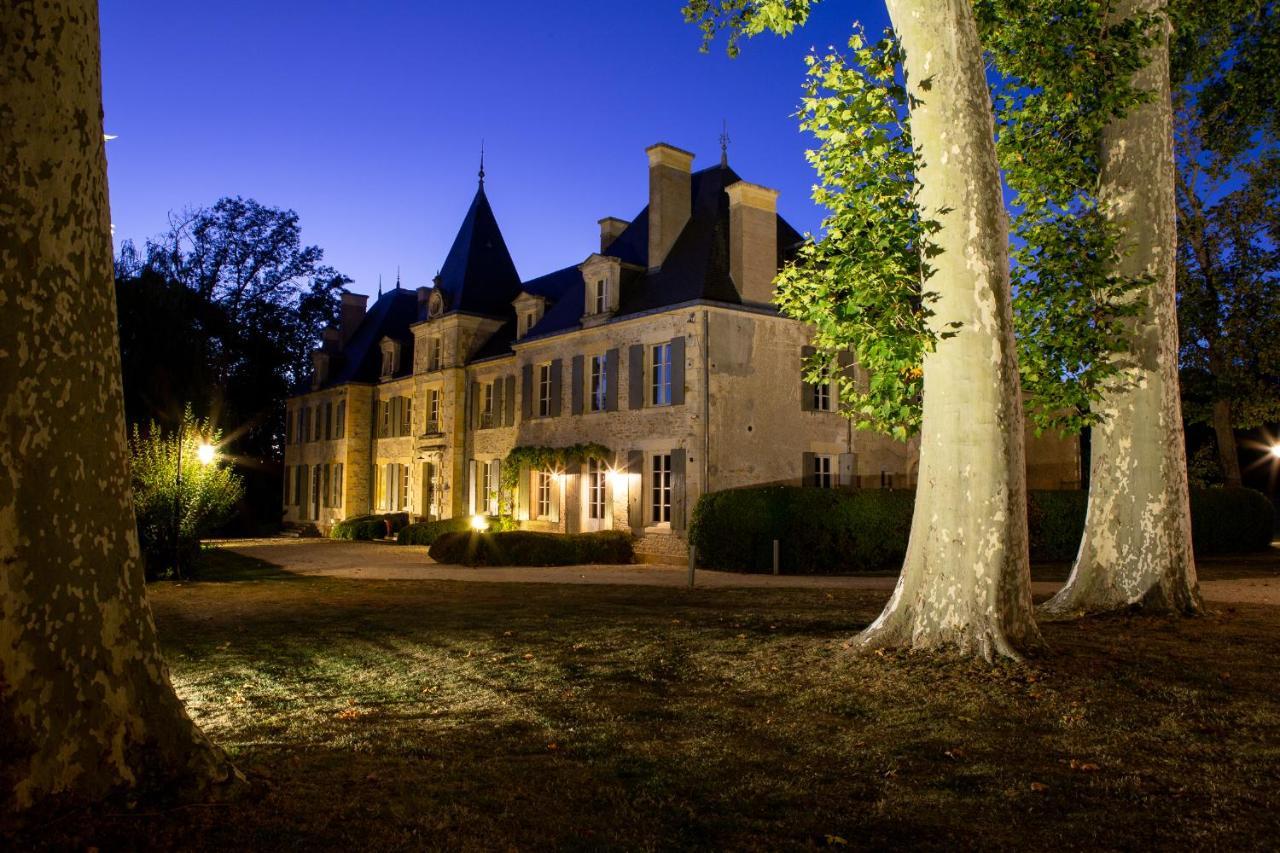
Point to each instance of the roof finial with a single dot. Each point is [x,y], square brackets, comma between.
[482,162]
[724,142]
[379,285]
[397,276]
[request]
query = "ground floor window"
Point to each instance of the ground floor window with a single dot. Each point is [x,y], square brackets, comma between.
[660,489]
[595,490]
[492,472]
[822,472]
[542,494]
[288,480]
[337,485]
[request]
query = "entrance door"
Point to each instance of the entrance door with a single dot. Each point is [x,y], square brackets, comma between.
[595,509]
[304,489]
[315,492]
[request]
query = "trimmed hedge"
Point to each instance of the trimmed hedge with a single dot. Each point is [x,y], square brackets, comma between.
[823,531]
[529,548]
[426,532]
[368,526]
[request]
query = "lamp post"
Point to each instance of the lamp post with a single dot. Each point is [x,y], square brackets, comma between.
[205,453]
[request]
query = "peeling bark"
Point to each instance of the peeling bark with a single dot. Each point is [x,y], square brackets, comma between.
[85,699]
[965,581]
[1136,550]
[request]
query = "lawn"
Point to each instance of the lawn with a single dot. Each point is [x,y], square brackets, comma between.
[389,715]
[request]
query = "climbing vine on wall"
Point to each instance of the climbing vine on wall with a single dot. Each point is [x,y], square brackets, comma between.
[540,458]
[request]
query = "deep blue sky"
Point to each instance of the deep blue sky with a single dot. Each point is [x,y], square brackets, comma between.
[366,118]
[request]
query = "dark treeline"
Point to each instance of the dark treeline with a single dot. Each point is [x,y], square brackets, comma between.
[220,313]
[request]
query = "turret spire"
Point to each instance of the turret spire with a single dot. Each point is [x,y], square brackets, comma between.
[724,142]
[481,162]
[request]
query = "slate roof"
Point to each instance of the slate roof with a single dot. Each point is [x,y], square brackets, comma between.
[361,358]
[478,276]
[697,267]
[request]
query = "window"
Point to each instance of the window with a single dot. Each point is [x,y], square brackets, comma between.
[600,296]
[527,321]
[433,411]
[288,435]
[388,362]
[341,430]
[599,387]
[299,472]
[822,472]
[337,485]
[660,489]
[486,405]
[402,494]
[492,472]
[429,487]
[660,375]
[542,494]
[328,420]
[406,416]
[544,390]
[384,418]
[822,397]
[287,474]
[325,494]
[595,490]
[319,424]
[435,354]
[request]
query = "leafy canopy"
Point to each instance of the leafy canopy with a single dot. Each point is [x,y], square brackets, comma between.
[1060,74]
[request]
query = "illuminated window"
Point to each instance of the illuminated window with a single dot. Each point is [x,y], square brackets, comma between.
[486,405]
[660,489]
[595,490]
[542,492]
[435,354]
[433,411]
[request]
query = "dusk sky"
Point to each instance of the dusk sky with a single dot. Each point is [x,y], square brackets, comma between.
[367,118]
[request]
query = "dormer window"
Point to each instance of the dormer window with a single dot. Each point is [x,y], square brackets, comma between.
[390,357]
[601,296]
[529,309]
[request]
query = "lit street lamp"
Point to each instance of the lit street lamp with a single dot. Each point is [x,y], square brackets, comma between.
[206,453]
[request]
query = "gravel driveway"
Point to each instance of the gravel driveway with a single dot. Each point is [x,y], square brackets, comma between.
[1254,579]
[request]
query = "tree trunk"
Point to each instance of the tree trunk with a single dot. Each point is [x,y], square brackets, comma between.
[965,581]
[1136,549]
[85,699]
[1228,455]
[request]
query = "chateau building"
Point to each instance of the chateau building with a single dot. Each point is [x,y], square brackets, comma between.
[663,347]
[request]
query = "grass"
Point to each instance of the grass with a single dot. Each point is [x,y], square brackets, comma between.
[392,715]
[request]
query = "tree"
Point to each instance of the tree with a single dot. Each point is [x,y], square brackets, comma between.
[1228,193]
[1136,549]
[85,699]
[965,582]
[253,300]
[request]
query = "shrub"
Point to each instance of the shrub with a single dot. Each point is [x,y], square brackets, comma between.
[207,497]
[369,526]
[1231,521]
[426,532]
[529,548]
[822,531]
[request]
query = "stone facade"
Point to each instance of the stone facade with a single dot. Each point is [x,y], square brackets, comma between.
[689,394]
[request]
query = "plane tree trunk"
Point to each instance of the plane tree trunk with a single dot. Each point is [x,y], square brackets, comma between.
[965,582]
[1136,549]
[85,699]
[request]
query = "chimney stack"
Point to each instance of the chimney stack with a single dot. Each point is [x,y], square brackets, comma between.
[670,198]
[353,305]
[753,240]
[611,227]
[331,340]
[424,294]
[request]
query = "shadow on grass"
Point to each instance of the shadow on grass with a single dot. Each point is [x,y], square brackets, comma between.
[219,565]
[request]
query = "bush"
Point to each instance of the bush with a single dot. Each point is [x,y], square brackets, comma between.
[528,548]
[1231,521]
[822,531]
[426,532]
[369,526]
[207,497]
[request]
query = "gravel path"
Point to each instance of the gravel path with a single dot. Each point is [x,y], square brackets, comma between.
[1258,583]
